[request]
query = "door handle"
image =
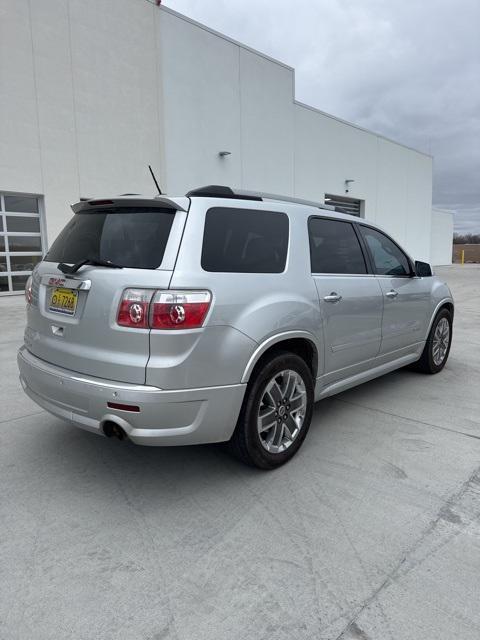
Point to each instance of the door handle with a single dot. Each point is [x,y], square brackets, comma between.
[333,297]
[392,294]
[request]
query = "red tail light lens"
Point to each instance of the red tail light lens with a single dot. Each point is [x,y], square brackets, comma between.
[124,407]
[134,308]
[179,309]
[144,309]
[99,203]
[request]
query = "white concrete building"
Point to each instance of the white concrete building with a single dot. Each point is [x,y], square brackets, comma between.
[441,237]
[92,91]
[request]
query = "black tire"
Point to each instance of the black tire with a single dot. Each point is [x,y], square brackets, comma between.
[246,442]
[427,364]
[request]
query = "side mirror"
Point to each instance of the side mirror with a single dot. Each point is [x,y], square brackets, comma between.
[423,269]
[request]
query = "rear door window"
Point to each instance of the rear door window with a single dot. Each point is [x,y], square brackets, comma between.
[128,236]
[334,247]
[245,241]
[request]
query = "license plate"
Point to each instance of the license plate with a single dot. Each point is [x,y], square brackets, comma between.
[63,301]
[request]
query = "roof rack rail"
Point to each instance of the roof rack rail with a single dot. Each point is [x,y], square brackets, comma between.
[220,191]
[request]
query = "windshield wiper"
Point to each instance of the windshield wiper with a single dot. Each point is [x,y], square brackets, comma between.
[65,268]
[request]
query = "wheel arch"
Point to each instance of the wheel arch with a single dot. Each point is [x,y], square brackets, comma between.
[446,303]
[301,343]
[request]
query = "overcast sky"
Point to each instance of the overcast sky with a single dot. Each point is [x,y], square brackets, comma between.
[409,70]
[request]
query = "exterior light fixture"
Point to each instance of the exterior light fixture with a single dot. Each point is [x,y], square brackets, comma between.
[222,154]
[347,185]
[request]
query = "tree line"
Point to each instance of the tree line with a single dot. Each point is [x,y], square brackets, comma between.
[466,238]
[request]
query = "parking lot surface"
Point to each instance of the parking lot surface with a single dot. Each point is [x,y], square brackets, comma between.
[371,533]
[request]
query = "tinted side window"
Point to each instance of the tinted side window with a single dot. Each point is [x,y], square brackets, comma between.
[334,247]
[388,259]
[244,241]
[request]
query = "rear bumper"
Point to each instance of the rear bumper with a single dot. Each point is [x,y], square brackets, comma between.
[190,416]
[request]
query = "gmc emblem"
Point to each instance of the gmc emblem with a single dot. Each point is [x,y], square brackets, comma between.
[56,282]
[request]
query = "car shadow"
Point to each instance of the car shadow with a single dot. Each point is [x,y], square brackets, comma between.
[101,465]
[106,467]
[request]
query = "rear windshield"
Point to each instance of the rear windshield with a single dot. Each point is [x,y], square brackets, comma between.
[245,241]
[127,236]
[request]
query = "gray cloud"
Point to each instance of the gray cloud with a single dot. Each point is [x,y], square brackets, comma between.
[407,70]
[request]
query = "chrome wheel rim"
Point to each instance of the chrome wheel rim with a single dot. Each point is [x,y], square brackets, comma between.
[441,340]
[282,411]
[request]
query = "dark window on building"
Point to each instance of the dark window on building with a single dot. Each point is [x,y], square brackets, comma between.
[23,263]
[19,282]
[388,259]
[21,204]
[334,247]
[245,241]
[24,243]
[23,224]
[352,206]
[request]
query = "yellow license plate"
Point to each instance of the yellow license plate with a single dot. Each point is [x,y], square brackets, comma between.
[63,301]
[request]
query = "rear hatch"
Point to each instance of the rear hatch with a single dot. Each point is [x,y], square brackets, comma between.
[72,320]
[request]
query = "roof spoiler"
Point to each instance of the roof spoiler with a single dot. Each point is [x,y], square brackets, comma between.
[161,202]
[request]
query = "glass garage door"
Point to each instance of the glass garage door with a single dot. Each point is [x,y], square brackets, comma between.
[21,240]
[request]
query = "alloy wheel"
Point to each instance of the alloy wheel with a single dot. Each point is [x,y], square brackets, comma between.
[441,341]
[282,411]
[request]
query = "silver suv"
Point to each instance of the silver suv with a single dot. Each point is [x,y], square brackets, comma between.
[222,316]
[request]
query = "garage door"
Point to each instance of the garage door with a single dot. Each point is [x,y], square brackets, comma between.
[346,205]
[21,240]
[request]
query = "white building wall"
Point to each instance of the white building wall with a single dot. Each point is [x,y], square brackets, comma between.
[328,152]
[220,95]
[441,237]
[267,124]
[95,90]
[20,158]
[201,94]
[418,206]
[115,72]
[393,181]
[79,108]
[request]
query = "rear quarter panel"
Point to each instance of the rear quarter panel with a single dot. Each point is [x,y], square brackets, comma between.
[257,306]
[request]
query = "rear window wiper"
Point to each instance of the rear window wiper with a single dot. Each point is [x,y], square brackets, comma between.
[65,268]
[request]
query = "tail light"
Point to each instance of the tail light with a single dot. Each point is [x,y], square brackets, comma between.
[28,290]
[144,308]
[179,309]
[134,308]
